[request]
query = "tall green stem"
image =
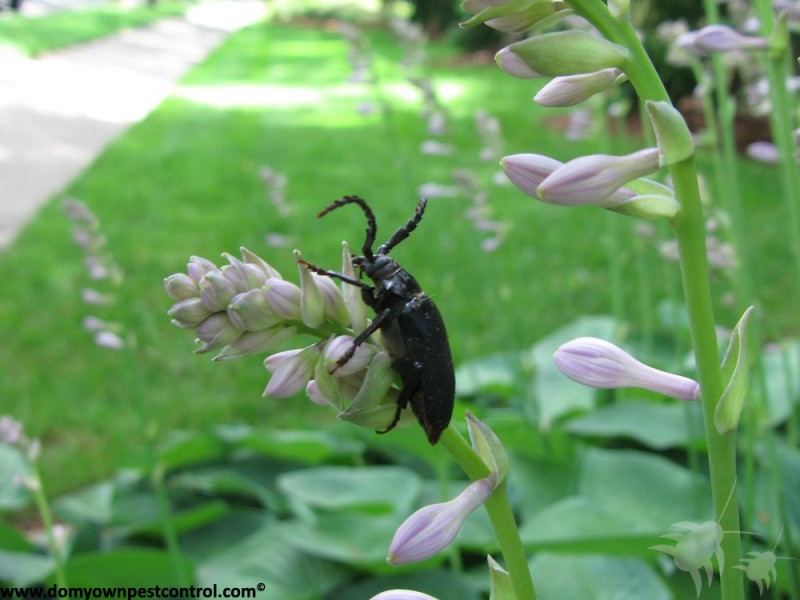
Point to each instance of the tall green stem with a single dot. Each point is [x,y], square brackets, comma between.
[500,515]
[690,234]
[46,516]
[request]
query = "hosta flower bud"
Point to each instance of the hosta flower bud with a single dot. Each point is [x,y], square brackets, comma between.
[351,295]
[765,152]
[432,528]
[11,431]
[290,370]
[242,275]
[489,447]
[332,304]
[515,17]
[250,311]
[216,332]
[569,90]
[719,38]
[402,595]
[569,53]
[312,301]
[594,179]
[259,263]
[256,342]
[600,364]
[284,298]
[512,64]
[180,286]
[216,291]
[338,346]
[198,267]
[188,313]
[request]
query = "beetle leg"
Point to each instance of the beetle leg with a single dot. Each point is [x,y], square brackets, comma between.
[361,338]
[411,375]
[335,275]
[404,231]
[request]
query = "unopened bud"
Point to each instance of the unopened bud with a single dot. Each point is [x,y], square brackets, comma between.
[569,90]
[188,313]
[216,332]
[180,286]
[291,371]
[216,291]
[250,311]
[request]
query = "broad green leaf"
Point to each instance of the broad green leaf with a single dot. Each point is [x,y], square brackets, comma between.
[581,525]
[224,481]
[538,482]
[188,519]
[310,447]
[495,373]
[735,370]
[781,363]
[183,449]
[595,578]
[355,538]
[375,489]
[91,505]
[555,394]
[224,533]
[12,539]
[653,424]
[266,558]
[22,569]
[127,567]
[13,467]
[652,492]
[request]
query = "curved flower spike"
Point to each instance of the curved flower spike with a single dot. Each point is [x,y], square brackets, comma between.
[431,529]
[597,363]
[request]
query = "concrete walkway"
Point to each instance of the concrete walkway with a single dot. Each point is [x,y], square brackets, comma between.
[58,112]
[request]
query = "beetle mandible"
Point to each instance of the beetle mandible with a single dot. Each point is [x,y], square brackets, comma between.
[412,328]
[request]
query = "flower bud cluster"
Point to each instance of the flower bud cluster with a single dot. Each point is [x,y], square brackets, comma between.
[246,307]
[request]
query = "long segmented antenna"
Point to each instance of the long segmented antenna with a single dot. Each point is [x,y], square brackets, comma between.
[404,231]
[372,227]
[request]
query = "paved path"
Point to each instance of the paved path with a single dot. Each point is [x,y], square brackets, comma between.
[58,112]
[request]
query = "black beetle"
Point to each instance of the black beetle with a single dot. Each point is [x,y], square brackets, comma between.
[412,328]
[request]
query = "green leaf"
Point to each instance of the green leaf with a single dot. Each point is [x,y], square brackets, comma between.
[309,447]
[223,533]
[781,363]
[11,539]
[265,557]
[652,492]
[595,578]
[126,567]
[224,481]
[495,373]
[735,371]
[22,569]
[555,394]
[358,539]
[184,448]
[91,505]
[13,468]
[374,489]
[655,425]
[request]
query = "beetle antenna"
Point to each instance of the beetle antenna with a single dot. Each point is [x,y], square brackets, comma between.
[404,231]
[372,227]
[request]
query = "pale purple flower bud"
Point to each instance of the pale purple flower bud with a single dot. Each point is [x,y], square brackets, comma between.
[333,304]
[109,339]
[188,313]
[180,287]
[259,263]
[284,298]
[514,65]
[437,190]
[431,529]
[436,148]
[216,332]
[597,363]
[312,302]
[316,395]
[719,38]
[92,296]
[199,266]
[256,342]
[594,179]
[92,323]
[250,311]
[290,370]
[569,90]
[402,595]
[765,152]
[527,171]
[216,291]
[341,344]
[242,275]
[11,431]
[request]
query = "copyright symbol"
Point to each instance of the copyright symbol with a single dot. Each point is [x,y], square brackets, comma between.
[261,587]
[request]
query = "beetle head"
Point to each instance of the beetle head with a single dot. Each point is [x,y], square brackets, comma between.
[378,267]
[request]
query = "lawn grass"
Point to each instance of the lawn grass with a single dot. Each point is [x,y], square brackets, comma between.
[36,35]
[185,181]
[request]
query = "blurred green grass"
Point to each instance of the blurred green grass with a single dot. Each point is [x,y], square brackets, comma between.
[185,181]
[36,35]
